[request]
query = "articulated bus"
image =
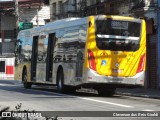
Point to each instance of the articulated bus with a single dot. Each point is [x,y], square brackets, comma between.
[99,52]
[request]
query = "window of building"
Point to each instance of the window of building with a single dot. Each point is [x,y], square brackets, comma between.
[111,7]
[54,8]
[60,9]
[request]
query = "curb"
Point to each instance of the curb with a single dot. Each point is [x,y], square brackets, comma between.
[137,95]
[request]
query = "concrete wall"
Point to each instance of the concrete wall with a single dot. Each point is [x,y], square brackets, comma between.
[8,22]
[8,48]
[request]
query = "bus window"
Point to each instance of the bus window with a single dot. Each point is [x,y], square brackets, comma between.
[59,33]
[79,64]
[49,61]
[34,58]
[42,48]
[118,35]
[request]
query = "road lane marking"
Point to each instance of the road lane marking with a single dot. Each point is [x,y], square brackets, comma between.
[111,103]
[148,110]
[83,98]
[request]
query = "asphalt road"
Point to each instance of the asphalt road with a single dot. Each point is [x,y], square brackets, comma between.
[47,99]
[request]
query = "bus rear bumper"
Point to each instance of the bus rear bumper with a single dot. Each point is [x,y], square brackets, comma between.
[94,77]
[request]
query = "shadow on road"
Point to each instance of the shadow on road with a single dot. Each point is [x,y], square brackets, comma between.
[48,91]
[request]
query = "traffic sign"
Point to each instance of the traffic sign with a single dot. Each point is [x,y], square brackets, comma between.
[25,25]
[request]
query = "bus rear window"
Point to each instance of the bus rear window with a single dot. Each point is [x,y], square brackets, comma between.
[118,35]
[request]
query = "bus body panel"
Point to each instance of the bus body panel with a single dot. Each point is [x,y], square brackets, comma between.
[76,52]
[114,63]
[23,54]
[93,77]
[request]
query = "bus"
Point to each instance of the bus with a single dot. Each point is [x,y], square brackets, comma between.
[98,52]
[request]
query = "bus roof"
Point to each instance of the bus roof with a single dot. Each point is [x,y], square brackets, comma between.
[70,22]
[60,24]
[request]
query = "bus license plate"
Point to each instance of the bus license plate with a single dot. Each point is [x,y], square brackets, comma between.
[117,71]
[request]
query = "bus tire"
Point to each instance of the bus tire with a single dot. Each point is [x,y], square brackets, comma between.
[60,81]
[26,84]
[106,92]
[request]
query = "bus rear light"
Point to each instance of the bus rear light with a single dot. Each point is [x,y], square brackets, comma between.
[91,59]
[9,70]
[141,64]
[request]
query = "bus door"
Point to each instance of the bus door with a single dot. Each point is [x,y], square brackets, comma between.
[34,58]
[41,57]
[49,60]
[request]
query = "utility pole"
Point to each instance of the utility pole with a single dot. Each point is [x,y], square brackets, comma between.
[17,16]
[37,20]
[158,44]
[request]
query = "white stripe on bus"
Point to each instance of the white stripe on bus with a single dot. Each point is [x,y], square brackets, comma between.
[117,37]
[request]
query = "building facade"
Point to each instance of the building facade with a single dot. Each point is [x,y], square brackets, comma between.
[148,9]
[37,15]
[34,11]
[81,8]
[60,9]
[11,13]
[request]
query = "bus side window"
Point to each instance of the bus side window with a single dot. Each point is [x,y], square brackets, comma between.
[18,49]
[79,64]
[59,33]
[82,33]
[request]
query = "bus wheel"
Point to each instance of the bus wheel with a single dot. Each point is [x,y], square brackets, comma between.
[106,92]
[26,84]
[60,81]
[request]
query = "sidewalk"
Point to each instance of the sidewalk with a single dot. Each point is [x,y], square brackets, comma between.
[139,92]
[12,82]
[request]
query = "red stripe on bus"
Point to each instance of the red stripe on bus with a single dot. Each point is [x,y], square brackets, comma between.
[9,70]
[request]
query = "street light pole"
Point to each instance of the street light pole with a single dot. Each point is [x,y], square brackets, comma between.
[37,19]
[17,16]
